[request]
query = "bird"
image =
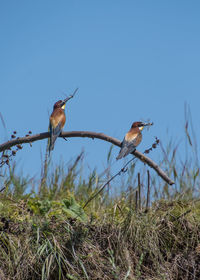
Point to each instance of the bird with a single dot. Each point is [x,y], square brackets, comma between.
[132,139]
[57,120]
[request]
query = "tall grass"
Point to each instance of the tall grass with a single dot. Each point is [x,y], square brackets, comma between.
[46,233]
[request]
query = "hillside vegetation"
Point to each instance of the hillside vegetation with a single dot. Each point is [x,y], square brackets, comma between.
[145,231]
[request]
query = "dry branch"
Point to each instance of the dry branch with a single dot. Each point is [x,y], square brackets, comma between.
[88,134]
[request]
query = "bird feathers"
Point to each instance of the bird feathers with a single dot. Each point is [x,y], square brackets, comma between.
[57,121]
[129,143]
[54,133]
[127,148]
[58,117]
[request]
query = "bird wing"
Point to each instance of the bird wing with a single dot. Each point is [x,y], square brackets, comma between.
[54,133]
[57,121]
[129,145]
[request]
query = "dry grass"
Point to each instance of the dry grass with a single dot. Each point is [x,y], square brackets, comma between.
[46,233]
[161,244]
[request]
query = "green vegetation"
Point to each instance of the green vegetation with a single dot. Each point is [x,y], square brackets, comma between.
[46,233]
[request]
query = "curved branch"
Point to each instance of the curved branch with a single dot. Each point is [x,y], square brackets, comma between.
[88,134]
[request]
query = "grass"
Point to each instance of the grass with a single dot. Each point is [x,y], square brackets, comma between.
[46,233]
[42,242]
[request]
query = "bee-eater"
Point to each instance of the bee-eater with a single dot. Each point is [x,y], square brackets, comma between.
[132,139]
[57,120]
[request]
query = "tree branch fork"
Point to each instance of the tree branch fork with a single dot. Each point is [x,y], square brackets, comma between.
[89,134]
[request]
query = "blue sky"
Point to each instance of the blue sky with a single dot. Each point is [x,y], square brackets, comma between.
[132,60]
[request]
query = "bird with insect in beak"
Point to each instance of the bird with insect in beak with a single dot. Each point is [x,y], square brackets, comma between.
[57,120]
[132,139]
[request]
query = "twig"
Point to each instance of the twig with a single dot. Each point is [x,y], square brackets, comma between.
[89,134]
[139,192]
[2,189]
[74,92]
[44,170]
[148,191]
[123,169]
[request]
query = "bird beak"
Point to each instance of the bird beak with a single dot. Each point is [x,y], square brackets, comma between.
[68,98]
[65,101]
[145,124]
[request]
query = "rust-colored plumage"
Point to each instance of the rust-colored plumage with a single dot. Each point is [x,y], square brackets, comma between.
[132,139]
[58,115]
[57,120]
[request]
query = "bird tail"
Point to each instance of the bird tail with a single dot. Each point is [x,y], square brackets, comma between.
[123,152]
[54,133]
[51,144]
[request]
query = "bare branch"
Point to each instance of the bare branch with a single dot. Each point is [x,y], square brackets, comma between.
[88,134]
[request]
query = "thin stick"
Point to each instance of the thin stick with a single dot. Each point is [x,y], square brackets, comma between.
[139,192]
[44,171]
[2,189]
[74,92]
[148,191]
[123,169]
[89,134]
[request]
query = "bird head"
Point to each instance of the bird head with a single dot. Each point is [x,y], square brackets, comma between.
[62,103]
[140,125]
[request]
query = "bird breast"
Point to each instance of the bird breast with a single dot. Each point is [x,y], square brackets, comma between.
[58,116]
[130,136]
[133,138]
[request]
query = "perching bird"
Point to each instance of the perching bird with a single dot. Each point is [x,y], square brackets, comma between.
[132,139]
[57,120]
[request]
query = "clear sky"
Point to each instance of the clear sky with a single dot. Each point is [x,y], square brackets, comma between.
[132,60]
